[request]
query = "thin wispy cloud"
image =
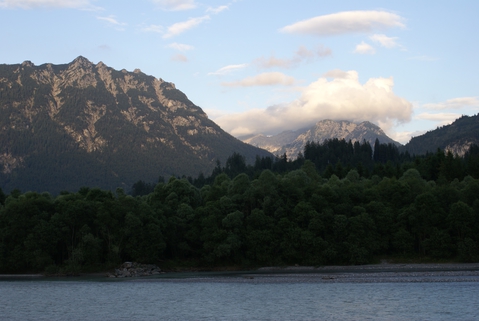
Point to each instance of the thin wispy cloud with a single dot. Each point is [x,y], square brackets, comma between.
[440,118]
[180,27]
[179,58]
[364,49]
[346,22]
[153,28]
[33,4]
[455,103]
[264,79]
[180,47]
[385,41]
[273,62]
[113,21]
[175,5]
[228,69]
[217,9]
[302,54]
[336,73]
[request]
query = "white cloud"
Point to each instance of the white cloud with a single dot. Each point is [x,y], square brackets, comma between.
[342,98]
[301,55]
[273,62]
[440,119]
[385,41]
[32,4]
[346,22]
[264,79]
[180,46]
[455,103]
[228,69]
[405,137]
[154,28]
[364,48]
[179,58]
[113,21]
[175,5]
[336,73]
[217,9]
[180,27]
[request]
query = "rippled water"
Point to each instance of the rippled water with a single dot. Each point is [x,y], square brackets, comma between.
[156,299]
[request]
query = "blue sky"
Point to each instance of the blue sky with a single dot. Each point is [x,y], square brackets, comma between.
[266,66]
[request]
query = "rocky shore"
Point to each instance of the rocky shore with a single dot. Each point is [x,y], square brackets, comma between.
[133,269]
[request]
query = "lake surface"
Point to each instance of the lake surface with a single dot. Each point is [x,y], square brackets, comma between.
[237,297]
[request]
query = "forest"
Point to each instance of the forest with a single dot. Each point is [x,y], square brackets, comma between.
[337,203]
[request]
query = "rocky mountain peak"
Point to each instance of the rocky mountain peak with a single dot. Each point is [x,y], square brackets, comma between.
[293,142]
[27,63]
[82,118]
[81,61]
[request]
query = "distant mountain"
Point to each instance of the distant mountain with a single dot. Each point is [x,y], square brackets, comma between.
[84,124]
[456,137]
[293,142]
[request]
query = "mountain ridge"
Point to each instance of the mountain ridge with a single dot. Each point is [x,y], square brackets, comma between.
[292,143]
[456,137]
[101,127]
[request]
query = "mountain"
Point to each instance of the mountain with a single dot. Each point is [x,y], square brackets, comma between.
[293,142]
[83,124]
[456,137]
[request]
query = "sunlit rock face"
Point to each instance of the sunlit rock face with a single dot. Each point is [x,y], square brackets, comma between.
[126,125]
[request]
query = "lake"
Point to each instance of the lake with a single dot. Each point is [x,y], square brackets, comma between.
[241,297]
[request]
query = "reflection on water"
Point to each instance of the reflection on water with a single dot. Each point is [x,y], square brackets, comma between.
[208,299]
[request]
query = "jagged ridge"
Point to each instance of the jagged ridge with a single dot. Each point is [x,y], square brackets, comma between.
[293,142]
[91,124]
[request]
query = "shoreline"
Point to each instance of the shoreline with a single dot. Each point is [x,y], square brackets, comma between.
[328,273]
[391,267]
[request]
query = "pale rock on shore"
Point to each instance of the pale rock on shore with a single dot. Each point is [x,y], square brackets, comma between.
[133,269]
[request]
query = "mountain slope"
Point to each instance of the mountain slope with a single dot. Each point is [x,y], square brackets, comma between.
[81,124]
[293,142]
[456,137]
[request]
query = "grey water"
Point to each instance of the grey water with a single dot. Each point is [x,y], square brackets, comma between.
[230,299]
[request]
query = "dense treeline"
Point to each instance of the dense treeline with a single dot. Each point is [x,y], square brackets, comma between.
[345,208]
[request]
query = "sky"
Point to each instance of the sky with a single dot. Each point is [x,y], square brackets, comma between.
[263,66]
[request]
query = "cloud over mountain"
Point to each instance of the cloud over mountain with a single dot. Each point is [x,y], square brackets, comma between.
[341,98]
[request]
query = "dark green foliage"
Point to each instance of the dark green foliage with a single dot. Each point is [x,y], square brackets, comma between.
[2,197]
[258,217]
[141,188]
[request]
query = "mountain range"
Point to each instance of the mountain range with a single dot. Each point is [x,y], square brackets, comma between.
[456,137]
[83,124]
[292,143]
